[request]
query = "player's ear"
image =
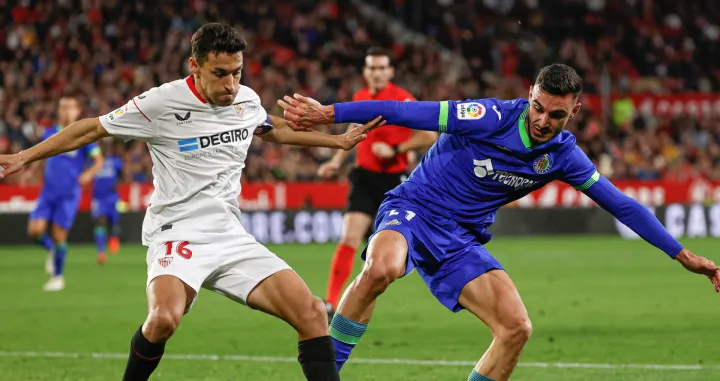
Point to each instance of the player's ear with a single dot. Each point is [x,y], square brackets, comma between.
[391,72]
[530,92]
[576,109]
[193,65]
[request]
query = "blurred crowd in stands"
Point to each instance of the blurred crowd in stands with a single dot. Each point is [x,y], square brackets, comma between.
[106,52]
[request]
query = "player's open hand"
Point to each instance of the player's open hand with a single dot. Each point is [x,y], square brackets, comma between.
[355,135]
[304,112]
[700,265]
[10,164]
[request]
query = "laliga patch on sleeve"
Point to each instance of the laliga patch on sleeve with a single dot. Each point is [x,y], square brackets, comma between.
[115,114]
[470,111]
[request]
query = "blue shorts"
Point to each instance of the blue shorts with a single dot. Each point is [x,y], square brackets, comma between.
[445,254]
[58,210]
[106,207]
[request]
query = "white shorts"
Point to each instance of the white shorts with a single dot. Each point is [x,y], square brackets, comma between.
[232,263]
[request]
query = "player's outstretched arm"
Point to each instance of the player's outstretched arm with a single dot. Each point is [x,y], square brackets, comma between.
[283,134]
[641,221]
[482,118]
[72,137]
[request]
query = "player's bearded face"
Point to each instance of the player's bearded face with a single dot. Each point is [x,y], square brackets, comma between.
[548,114]
[218,77]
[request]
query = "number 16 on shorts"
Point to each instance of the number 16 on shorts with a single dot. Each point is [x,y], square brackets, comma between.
[178,247]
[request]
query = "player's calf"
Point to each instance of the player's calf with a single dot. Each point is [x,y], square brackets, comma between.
[493,298]
[168,298]
[386,262]
[286,296]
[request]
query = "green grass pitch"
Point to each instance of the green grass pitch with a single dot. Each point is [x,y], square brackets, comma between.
[592,301]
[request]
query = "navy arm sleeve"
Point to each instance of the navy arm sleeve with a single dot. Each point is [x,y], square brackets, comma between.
[473,118]
[581,173]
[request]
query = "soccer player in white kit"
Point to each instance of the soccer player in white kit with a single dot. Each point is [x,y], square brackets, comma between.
[198,131]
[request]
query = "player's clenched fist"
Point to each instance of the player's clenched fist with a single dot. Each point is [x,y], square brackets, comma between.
[10,164]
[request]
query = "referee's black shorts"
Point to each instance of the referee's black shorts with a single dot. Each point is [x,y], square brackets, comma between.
[368,188]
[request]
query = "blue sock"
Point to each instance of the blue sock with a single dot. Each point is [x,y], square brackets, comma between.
[345,334]
[475,376]
[45,241]
[100,238]
[60,253]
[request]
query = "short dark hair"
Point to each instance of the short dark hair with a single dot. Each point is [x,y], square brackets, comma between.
[217,38]
[376,51]
[559,79]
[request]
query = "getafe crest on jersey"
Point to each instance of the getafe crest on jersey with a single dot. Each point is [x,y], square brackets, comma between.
[542,164]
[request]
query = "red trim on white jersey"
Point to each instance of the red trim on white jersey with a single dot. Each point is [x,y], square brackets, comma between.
[141,111]
[191,84]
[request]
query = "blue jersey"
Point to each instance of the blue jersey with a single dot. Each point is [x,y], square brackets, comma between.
[485,159]
[62,171]
[106,180]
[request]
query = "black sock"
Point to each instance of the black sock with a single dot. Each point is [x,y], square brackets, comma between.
[144,357]
[317,357]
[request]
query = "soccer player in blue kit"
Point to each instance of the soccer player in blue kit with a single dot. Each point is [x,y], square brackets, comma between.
[57,205]
[104,204]
[491,152]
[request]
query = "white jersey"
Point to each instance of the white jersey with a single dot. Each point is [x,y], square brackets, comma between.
[198,152]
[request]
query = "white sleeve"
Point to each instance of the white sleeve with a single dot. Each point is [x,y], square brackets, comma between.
[137,119]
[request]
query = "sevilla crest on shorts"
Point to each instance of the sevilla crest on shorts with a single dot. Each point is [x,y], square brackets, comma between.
[165,261]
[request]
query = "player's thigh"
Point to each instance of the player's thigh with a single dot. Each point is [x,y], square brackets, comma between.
[190,262]
[495,300]
[285,295]
[387,255]
[168,295]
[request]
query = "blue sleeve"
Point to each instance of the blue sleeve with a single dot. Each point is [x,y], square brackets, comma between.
[578,170]
[473,118]
[634,215]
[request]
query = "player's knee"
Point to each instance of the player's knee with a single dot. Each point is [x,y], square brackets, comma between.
[33,232]
[516,333]
[161,324]
[380,274]
[312,318]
